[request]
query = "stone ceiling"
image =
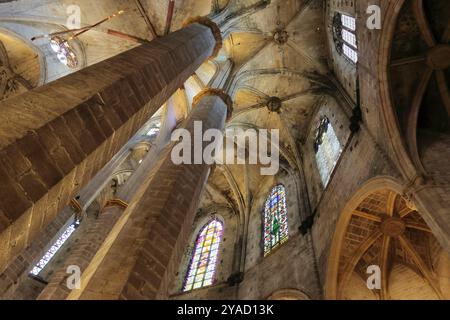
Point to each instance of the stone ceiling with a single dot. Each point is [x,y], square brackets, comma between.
[278,48]
[385,232]
[279,77]
[15,78]
[419,71]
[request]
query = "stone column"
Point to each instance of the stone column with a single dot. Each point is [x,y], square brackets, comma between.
[15,280]
[95,233]
[55,138]
[145,247]
[93,188]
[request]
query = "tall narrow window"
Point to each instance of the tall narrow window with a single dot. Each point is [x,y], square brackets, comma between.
[275,219]
[40,265]
[154,130]
[202,267]
[327,148]
[344,35]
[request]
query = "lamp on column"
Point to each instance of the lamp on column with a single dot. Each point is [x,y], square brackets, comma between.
[61,47]
[63,51]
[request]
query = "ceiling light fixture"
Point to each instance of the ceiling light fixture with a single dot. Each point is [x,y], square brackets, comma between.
[61,47]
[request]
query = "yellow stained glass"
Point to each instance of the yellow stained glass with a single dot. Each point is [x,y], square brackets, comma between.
[204,257]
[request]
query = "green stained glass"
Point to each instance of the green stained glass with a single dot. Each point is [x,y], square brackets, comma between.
[275,227]
[275,219]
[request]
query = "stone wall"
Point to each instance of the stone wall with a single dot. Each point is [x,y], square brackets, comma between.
[14,279]
[255,246]
[362,161]
[366,155]
[344,70]
[221,289]
[290,266]
[340,123]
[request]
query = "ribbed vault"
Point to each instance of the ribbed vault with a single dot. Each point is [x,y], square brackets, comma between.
[384,231]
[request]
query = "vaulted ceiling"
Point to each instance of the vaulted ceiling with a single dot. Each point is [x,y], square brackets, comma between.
[279,78]
[19,72]
[384,231]
[420,73]
[278,49]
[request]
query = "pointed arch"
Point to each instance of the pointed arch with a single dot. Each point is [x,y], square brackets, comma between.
[344,36]
[327,149]
[202,266]
[390,224]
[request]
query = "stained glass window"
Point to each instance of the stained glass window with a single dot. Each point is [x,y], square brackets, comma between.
[154,130]
[275,219]
[344,35]
[64,52]
[328,149]
[202,267]
[54,248]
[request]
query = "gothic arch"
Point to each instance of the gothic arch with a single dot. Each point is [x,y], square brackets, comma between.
[32,46]
[243,75]
[274,218]
[208,72]
[204,218]
[341,226]
[409,20]
[418,76]
[417,151]
[50,69]
[283,151]
[402,159]
[139,151]
[217,6]
[210,215]
[288,294]
[378,226]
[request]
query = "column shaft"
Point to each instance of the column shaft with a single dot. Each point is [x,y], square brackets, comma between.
[95,233]
[55,138]
[145,247]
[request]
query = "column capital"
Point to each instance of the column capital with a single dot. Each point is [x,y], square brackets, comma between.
[76,206]
[214,28]
[116,202]
[215,92]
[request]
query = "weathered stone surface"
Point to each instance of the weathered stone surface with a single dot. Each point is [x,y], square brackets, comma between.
[137,261]
[60,133]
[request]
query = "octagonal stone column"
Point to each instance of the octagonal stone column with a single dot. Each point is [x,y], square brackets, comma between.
[145,247]
[55,138]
